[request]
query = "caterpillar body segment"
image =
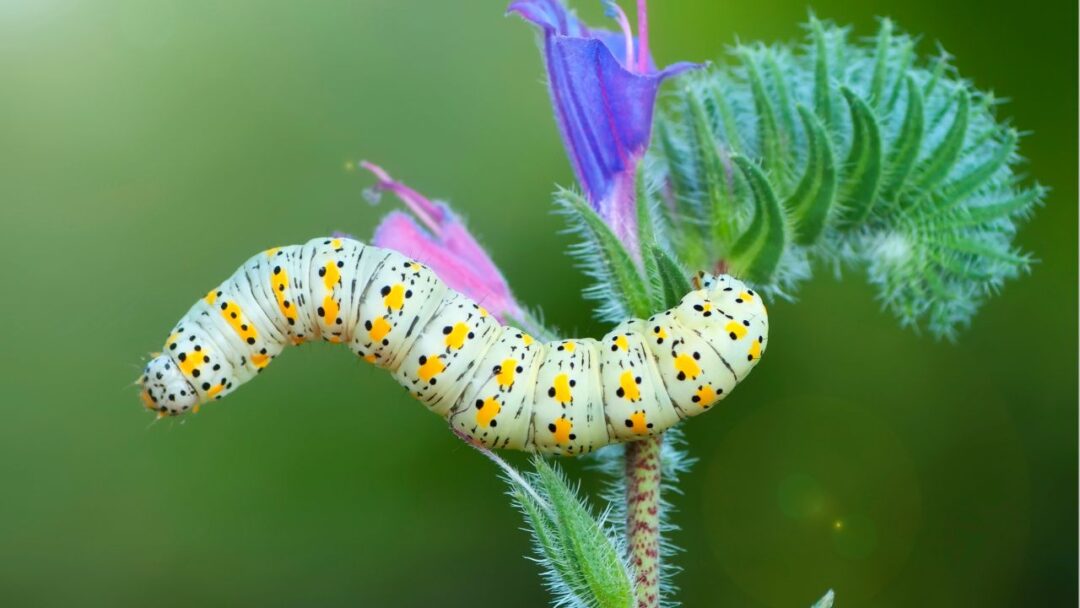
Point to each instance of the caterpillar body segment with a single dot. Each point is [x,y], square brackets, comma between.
[491,382]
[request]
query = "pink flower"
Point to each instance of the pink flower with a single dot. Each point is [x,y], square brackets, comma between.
[441,241]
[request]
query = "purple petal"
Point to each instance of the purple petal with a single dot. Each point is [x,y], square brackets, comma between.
[603,108]
[550,15]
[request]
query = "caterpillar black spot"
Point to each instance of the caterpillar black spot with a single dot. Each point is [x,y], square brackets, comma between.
[490,381]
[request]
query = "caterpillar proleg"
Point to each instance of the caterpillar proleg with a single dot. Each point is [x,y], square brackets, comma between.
[491,382]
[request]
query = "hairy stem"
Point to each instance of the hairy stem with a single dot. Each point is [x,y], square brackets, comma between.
[643,517]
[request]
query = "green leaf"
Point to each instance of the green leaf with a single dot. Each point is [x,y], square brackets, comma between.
[902,67]
[588,548]
[979,216]
[728,121]
[941,63]
[712,172]
[826,600]
[957,191]
[757,252]
[938,163]
[550,545]
[771,145]
[919,162]
[983,250]
[881,62]
[809,204]
[671,279]
[646,228]
[906,147]
[822,88]
[863,164]
[783,102]
[679,163]
[612,263]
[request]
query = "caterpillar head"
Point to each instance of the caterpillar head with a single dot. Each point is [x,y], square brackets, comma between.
[164,388]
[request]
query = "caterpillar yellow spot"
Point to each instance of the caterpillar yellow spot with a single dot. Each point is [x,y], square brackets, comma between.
[568,346]
[370,357]
[527,339]
[735,329]
[755,350]
[279,280]
[260,360]
[378,329]
[560,389]
[483,311]
[562,428]
[622,343]
[455,338]
[705,395]
[638,424]
[505,377]
[486,411]
[148,403]
[335,244]
[191,361]
[687,367]
[211,296]
[270,252]
[329,310]
[628,386]
[330,275]
[232,314]
[430,367]
[214,390]
[394,297]
[745,297]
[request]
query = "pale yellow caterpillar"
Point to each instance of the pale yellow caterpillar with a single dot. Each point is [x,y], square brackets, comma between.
[492,382]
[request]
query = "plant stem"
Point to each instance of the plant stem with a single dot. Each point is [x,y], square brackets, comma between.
[643,517]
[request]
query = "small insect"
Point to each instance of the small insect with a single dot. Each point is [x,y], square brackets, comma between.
[492,382]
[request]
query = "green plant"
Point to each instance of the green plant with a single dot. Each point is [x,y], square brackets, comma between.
[852,154]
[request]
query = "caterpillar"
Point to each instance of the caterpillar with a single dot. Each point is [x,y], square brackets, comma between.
[492,382]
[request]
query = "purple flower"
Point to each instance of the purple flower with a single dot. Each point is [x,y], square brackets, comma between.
[603,88]
[445,245]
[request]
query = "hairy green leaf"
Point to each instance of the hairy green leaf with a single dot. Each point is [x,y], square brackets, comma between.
[770,143]
[758,250]
[924,195]
[672,280]
[863,162]
[809,204]
[906,147]
[822,86]
[955,192]
[593,556]
[826,600]
[620,287]
[938,163]
[881,64]
[712,171]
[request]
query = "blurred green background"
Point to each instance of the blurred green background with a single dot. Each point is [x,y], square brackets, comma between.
[148,147]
